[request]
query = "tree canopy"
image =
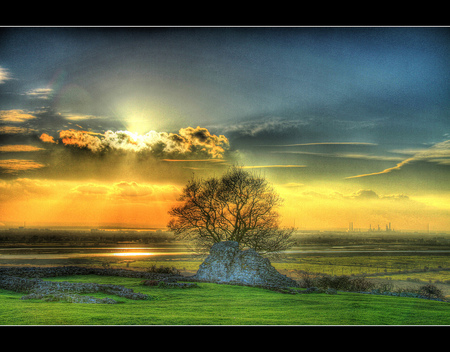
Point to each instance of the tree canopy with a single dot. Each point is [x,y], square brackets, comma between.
[238,206]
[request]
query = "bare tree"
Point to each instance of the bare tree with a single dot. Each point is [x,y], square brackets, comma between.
[238,206]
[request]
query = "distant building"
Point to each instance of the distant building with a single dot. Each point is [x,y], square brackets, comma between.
[350,227]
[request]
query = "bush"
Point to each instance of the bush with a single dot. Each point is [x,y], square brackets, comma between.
[163,270]
[343,283]
[306,280]
[150,282]
[431,291]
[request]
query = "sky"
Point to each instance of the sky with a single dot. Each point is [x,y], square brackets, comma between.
[105,125]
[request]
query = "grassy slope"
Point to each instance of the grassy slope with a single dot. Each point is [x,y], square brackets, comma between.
[223,304]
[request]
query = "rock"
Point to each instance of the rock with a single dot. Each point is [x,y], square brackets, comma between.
[228,264]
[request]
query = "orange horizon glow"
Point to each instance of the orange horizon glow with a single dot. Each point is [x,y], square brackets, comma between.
[138,204]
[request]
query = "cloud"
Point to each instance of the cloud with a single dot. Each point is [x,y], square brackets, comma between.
[364,194]
[271,166]
[47,138]
[24,187]
[324,143]
[40,93]
[81,139]
[15,130]
[189,142]
[200,139]
[194,160]
[132,189]
[79,117]
[265,125]
[12,166]
[438,153]
[292,185]
[129,191]
[385,171]
[19,148]
[15,115]
[91,189]
[343,155]
[360,195]
[4,75]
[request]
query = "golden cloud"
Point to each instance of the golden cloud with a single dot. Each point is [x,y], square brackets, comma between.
[129,191]
[15,130]
[19,148]
[16,165]
[25,187]
[270,166]
[15,115]
[81,139]
[46,138]
[190,141]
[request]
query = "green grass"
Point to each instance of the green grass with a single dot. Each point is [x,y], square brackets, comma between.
[222,305]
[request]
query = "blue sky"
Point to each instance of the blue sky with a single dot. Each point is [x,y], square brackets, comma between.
[335,106]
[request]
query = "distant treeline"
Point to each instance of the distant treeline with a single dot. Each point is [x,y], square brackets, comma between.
[342,238]
[104,237]
[82,238]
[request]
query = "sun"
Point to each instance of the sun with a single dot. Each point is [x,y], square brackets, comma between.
[137,116]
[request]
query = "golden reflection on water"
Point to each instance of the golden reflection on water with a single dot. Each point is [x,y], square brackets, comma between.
[132,254]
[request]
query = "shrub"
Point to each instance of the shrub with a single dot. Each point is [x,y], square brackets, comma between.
[163,270]
[384,287]
[306,280]
[331,291]
[150,282]
[344,283]
[431,291]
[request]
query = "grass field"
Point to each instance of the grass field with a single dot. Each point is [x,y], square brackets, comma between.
[214,304]
[348,264]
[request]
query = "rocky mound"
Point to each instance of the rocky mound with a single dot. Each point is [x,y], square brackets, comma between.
[41,288]
[227,263]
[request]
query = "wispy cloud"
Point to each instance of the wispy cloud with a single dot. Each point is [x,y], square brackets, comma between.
[438,153]
[343,155]
[265,125]
[4,75]
[292,185]
[19,148]
[323,143]
[194,160]
[80,117]
[127,190]
[16,130]
[270,166]
[15,115]
[39,93]
[12,166]
[360,195]
[385,171]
